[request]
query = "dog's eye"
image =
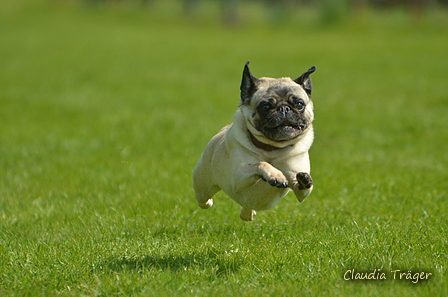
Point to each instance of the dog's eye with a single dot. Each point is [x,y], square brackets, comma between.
[300,105]
[264,107]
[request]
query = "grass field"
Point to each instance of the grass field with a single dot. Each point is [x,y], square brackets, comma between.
[104,113]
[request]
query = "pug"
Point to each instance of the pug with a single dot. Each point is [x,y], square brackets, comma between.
[263,154]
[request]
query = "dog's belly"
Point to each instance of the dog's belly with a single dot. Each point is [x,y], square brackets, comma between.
[260,196]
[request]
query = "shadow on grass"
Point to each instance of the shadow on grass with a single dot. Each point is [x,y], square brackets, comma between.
[222,265]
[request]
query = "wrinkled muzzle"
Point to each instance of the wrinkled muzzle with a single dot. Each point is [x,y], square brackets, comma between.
[283,124]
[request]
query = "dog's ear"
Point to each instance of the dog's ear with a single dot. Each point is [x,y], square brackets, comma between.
[248,84]
[305,80]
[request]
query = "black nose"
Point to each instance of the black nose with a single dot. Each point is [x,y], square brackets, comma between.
[284,109]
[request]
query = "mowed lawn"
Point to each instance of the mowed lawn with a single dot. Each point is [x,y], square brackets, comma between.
[104,113]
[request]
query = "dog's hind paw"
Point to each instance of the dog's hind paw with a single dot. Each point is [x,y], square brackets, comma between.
[247,214]
[207,204]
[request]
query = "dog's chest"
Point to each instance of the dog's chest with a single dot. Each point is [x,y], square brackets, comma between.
[261,196]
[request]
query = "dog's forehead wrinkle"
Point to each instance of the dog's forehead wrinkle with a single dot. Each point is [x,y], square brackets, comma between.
[281,91]
[279,87]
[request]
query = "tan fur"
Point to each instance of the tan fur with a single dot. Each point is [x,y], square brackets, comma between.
[233,163]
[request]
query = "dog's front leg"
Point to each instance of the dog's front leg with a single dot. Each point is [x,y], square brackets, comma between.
[248,175]
[304,186]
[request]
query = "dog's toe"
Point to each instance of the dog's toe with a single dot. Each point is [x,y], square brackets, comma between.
[277,183]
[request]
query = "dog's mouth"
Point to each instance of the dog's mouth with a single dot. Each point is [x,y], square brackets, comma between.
[284,131]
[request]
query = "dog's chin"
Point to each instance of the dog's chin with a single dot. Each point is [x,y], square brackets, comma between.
[283,132]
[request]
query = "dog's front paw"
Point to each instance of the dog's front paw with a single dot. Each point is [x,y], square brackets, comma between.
[277,180]
[304,180]
[272,175]
[279,183]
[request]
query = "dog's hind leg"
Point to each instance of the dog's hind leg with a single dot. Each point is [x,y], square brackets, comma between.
[203,185]
[204,197]
[247,214]
[204,189]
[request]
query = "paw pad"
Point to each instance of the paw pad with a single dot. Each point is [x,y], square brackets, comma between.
[305,181]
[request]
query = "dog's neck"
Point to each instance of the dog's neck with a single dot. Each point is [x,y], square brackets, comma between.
[261,145]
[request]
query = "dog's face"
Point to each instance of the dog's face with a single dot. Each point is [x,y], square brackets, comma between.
[279,109]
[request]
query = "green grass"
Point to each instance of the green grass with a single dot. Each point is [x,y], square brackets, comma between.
[104,113]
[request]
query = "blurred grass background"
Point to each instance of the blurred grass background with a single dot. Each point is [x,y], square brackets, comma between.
[105,107]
